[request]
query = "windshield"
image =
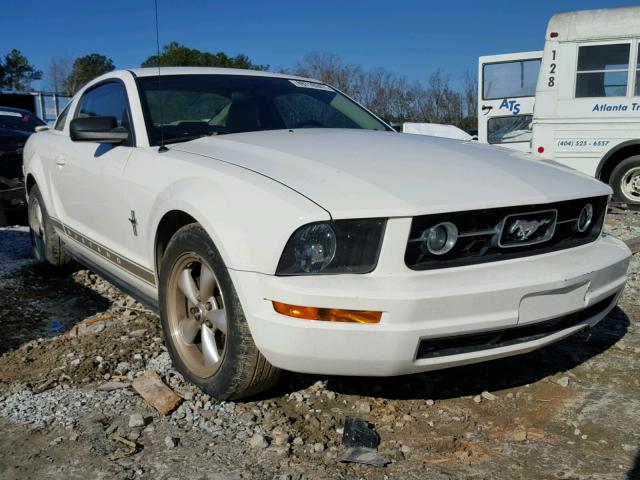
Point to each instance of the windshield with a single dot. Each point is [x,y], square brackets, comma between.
[190,106]
[18,120]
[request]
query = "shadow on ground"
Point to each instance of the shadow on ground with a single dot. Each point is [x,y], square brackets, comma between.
[36,302]
[473,379]
[634,473]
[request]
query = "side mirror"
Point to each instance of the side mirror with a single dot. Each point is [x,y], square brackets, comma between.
[97,129]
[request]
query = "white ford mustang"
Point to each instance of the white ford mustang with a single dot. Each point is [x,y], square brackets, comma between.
[276,224]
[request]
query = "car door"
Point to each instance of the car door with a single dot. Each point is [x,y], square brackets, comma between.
[89,174]
[506,95]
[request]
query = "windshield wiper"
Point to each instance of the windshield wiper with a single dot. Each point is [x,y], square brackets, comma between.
[187,138]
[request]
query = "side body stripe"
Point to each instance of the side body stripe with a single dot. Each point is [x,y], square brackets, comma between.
[124,263]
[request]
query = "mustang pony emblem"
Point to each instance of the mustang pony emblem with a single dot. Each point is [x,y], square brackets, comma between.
[524,229]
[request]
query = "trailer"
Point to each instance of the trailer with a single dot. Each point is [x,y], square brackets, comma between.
[45,105]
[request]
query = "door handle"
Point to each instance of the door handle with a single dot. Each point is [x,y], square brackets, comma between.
[61,160]
[487,108]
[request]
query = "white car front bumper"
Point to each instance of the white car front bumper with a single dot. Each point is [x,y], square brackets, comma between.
[440,304]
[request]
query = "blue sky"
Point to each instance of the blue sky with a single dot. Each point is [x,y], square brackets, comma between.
[410,37]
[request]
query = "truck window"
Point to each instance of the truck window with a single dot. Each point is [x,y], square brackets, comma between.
[511,129]
[602,70]
[510,79]
[638,74]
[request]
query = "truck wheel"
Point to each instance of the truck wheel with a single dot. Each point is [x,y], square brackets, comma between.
[45,242]
[204,327]
[625,180]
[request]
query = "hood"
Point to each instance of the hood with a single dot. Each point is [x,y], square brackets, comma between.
[362,173]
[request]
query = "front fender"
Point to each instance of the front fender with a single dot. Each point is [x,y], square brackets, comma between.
[248,216]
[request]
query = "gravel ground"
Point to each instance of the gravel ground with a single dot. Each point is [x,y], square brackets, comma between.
[72,344]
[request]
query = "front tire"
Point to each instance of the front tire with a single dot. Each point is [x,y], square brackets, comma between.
[625,180]
[205,330]
[46,244]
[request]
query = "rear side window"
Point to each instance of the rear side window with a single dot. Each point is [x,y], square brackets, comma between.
[62,119]
[602,70]
[512,129]
[106,100]
[510,79]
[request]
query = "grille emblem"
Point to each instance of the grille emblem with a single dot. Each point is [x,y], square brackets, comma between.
[523,229]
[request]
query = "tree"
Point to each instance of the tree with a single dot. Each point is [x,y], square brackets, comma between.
[86,69]
[470,95]
[59,70]
[16,73]
[177,55]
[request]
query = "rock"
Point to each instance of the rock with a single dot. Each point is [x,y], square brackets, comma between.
[477,399]
[298,441]
[149,429]
[109,386]
[138,333]
[279,437]
[44,386]
[136,420]
[170,442]
[488,396]
[74,437]
[56,441]
[363,407]
[563,381]
[430,403]
[519,436]
[318,447]
[156,393]
[247,418]
[258,441]
[405,449]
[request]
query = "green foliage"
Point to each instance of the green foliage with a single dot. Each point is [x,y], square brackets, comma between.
[16,73]
[177,55]
[86,69]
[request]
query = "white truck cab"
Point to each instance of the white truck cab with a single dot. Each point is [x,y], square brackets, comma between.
[586,107]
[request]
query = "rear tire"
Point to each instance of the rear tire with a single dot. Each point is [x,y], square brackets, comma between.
[46,244]
[205,330]
[625,181]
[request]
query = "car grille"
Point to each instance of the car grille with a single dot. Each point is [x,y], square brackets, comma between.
[483,237]
[442,347]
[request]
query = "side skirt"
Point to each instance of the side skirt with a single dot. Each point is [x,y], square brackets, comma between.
[136,293]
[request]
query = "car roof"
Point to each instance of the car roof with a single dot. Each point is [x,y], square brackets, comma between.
[16,110]
[153,71]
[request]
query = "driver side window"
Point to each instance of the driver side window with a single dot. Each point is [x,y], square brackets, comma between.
[107,100]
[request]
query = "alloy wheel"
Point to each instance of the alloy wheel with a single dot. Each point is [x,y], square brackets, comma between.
[196,314]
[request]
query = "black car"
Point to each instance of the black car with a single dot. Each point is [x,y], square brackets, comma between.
[16,126]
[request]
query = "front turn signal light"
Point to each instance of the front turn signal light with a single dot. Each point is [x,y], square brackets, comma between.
[327,314]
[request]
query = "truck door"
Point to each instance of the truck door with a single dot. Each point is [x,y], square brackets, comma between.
[506,94]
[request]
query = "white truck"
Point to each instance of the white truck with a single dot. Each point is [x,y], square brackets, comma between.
[584,111]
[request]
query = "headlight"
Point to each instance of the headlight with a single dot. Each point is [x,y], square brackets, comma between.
[339,246]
